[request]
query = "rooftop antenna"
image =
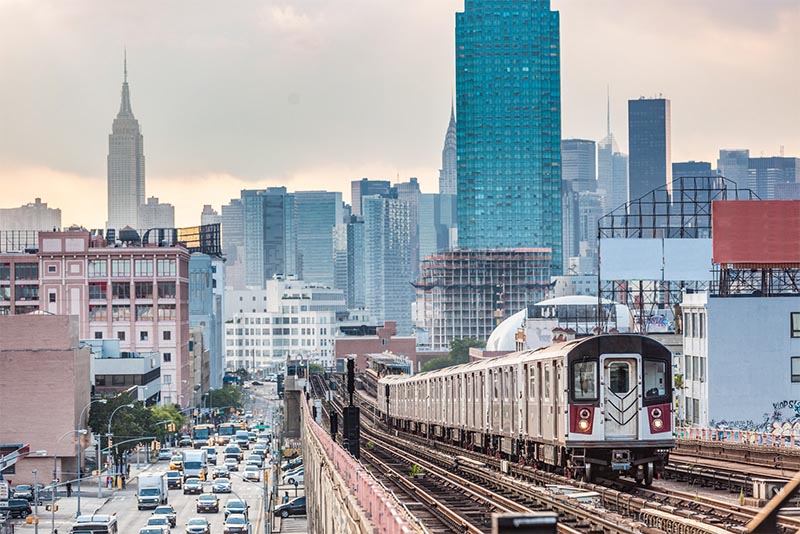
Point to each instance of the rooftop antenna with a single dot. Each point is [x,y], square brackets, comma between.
[781,150]
[125,63]
[608,109]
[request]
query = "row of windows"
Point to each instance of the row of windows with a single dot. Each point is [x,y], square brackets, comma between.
[276,331]
[694,324]
[122,290]
[122,312]
[22,271]
[144,335]
[282,320]
[277,342]
[122,268]
[126,380]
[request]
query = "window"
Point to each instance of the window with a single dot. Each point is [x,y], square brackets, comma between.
[51,268]
[547,382]
[701,319]
[97,290]
[584,377]
[655,378]
[97,269]
[5,293]
[121,335]
[166,312]
[166,267]
[98,313]
[687,325]
[120,268]
[121,313]
[796,324]
[26,293]
[619,377]
[167,379]
[98,335]
[689,371]
[143,268]
[144,290]
[143,335]
[51,298]
[5,271]
[166,290]
[167,335]
[121,290]
[144,312]
[167,357]
[26,271]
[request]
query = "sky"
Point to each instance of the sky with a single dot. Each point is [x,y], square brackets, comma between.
[312,94]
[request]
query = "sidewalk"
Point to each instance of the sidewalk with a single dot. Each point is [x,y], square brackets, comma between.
[293,523]
[68,506]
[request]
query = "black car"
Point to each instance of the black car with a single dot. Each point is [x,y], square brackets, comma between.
[16,508]
[296,506]
[192,485]
[174,480]
[186,441]
[235,506]
[208,503]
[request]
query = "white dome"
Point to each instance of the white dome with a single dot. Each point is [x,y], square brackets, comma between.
[504,336]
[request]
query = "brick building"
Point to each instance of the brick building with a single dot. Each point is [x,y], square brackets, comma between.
[384,338]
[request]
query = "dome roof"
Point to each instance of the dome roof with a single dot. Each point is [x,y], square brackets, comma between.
[504,336]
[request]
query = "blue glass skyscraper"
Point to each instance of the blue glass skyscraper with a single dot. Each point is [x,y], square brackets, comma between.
[508,109]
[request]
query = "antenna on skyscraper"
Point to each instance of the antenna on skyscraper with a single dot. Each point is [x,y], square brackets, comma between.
[608,109]
[125,62]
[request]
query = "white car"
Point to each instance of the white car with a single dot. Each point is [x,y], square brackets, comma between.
[298,477]
[252,473]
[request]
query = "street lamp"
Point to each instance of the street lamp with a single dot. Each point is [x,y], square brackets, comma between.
[80,474]
[80,432]
[118,408]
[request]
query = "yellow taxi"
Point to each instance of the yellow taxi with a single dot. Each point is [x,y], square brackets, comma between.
[176,463]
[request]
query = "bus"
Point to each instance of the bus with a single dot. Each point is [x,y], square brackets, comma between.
[226,433]
[202,435]
[95,524]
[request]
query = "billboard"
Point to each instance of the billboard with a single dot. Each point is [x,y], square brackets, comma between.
[756,232]
[668,259]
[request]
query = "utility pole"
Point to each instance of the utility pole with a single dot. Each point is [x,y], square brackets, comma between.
[36,501]
[99,469]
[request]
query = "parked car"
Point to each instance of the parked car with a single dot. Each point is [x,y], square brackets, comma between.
[219,471]
[298,477]
[296,506]
[252,473]
[294,471]
[192,485]
[292,464]
[231,464]
[167,511]
[23,491]
[208,502]
[185,441]
[16,508]
[164,453]
[235,506]
[221,485]
[174,479]
[235,524]
[198,525]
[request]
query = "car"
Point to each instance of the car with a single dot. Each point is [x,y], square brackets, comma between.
[192,485]
[198,525]
[296,477]
[185,441]
[255,459]
[252,473]
[231,464]
[296,506]
[235,506]
[176,463]
[263,438]
[158,521]
[235,524]
[219,471]
[253,437]
[257,383]
[23,491]
[154,530]
[16,508]
[233,451]
[208,502]
[167,511]
[248,415]
[174,480]
[292,464]
[294,471]
[164,454]
[221,485]
[211,453]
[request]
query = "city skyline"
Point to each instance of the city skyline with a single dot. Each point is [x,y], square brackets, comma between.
[251,143]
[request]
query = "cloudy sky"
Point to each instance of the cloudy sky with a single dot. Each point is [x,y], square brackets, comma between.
[314,93]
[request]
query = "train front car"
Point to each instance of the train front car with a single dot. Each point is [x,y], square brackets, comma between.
[620,407]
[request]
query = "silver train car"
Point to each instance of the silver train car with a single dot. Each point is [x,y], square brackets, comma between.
[595,406]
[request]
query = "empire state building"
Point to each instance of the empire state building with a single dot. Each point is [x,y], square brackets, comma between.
[125,165]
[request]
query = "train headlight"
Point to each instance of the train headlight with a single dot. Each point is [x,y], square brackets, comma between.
[584,413]
[658,424]
[583,424]
[656,412]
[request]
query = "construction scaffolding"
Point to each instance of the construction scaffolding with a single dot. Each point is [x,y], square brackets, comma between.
[467,293]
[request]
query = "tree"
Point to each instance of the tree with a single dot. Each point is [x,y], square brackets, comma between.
[168,412]
[459,353]
[226,396]
[128,425]
[315,369]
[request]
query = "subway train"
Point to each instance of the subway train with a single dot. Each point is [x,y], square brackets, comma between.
[594,406]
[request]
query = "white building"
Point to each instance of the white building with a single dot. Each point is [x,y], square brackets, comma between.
[155,214]
[576,284]
[741,363]
[292,318]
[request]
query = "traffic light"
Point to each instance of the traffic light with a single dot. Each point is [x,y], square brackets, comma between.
[51,508]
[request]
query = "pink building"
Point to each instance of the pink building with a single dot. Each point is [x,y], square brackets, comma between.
[137,294]
[386,339]
[19,283]
[44,386]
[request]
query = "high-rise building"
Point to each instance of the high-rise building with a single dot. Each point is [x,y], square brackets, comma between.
[734,166]
[365,188]
[467,293]
[205,312]
[578,164]
[692,169]
[356,264]
[612,173]
[409,191]
[268,217]
[437,219]
[649,144]
[387,255]
[570,228]
[449,171]
[233,243]
[508,109]
[35,216]
[155,214]
[317,214]
[209,215]
[125,165]
[766,173]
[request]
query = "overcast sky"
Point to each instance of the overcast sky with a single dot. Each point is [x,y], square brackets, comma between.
[314,93]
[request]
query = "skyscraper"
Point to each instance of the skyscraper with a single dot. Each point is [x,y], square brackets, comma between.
[578,164]
[318,213]
[692,169]
[125,165]
[767,173]
[233,243]
[612,169]
[268,217]
[155,214]
[364,188]
[649,132]
[733,165]
[508,110]
[448,172]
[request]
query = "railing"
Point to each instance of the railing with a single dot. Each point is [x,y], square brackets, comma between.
[744,437]
[386,514]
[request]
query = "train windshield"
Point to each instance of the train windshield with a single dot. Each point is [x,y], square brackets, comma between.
[619,377]
[584,376]
[655,379]
[201,433]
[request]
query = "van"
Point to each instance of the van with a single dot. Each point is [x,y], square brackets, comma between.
[95,524]
[212,454]
[195,464]
[243,439]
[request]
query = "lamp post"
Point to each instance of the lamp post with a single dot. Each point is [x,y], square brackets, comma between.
[80,432]
[108,434]
[80,425]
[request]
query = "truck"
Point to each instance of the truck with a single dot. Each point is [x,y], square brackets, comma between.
[195,464]
[152,491]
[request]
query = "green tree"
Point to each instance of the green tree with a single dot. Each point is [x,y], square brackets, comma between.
[226,396]
[168,412]
[459,353]
[130,426]
[315,369]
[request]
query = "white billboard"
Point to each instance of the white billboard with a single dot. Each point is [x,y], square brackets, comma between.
[655,259]
[687,259]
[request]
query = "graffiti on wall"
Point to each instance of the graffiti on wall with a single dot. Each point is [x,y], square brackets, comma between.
[783,420]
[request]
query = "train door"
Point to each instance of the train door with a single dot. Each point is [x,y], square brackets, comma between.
[539,400]
[505,403]
[620,395]
[526,400]
[514,402]
[558,401]
[547,401]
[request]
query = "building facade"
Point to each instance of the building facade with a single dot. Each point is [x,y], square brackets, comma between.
[32,216]
[508,106]
[126,182]
[318,213]
[154,214]
[466,293]
[358,343]
[734,165]
[578,164]
[649,145]
[114,371]
[448,174]
[765,174]
[365,188]
[269,234]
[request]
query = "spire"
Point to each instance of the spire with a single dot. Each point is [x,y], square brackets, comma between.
[608,109]
[452,109]
[125,103]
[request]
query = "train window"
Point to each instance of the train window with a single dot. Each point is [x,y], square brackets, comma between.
[547,382]
[655,379]
[532,384]
[506,381]
[584,378]
[496,388]
[619,377]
